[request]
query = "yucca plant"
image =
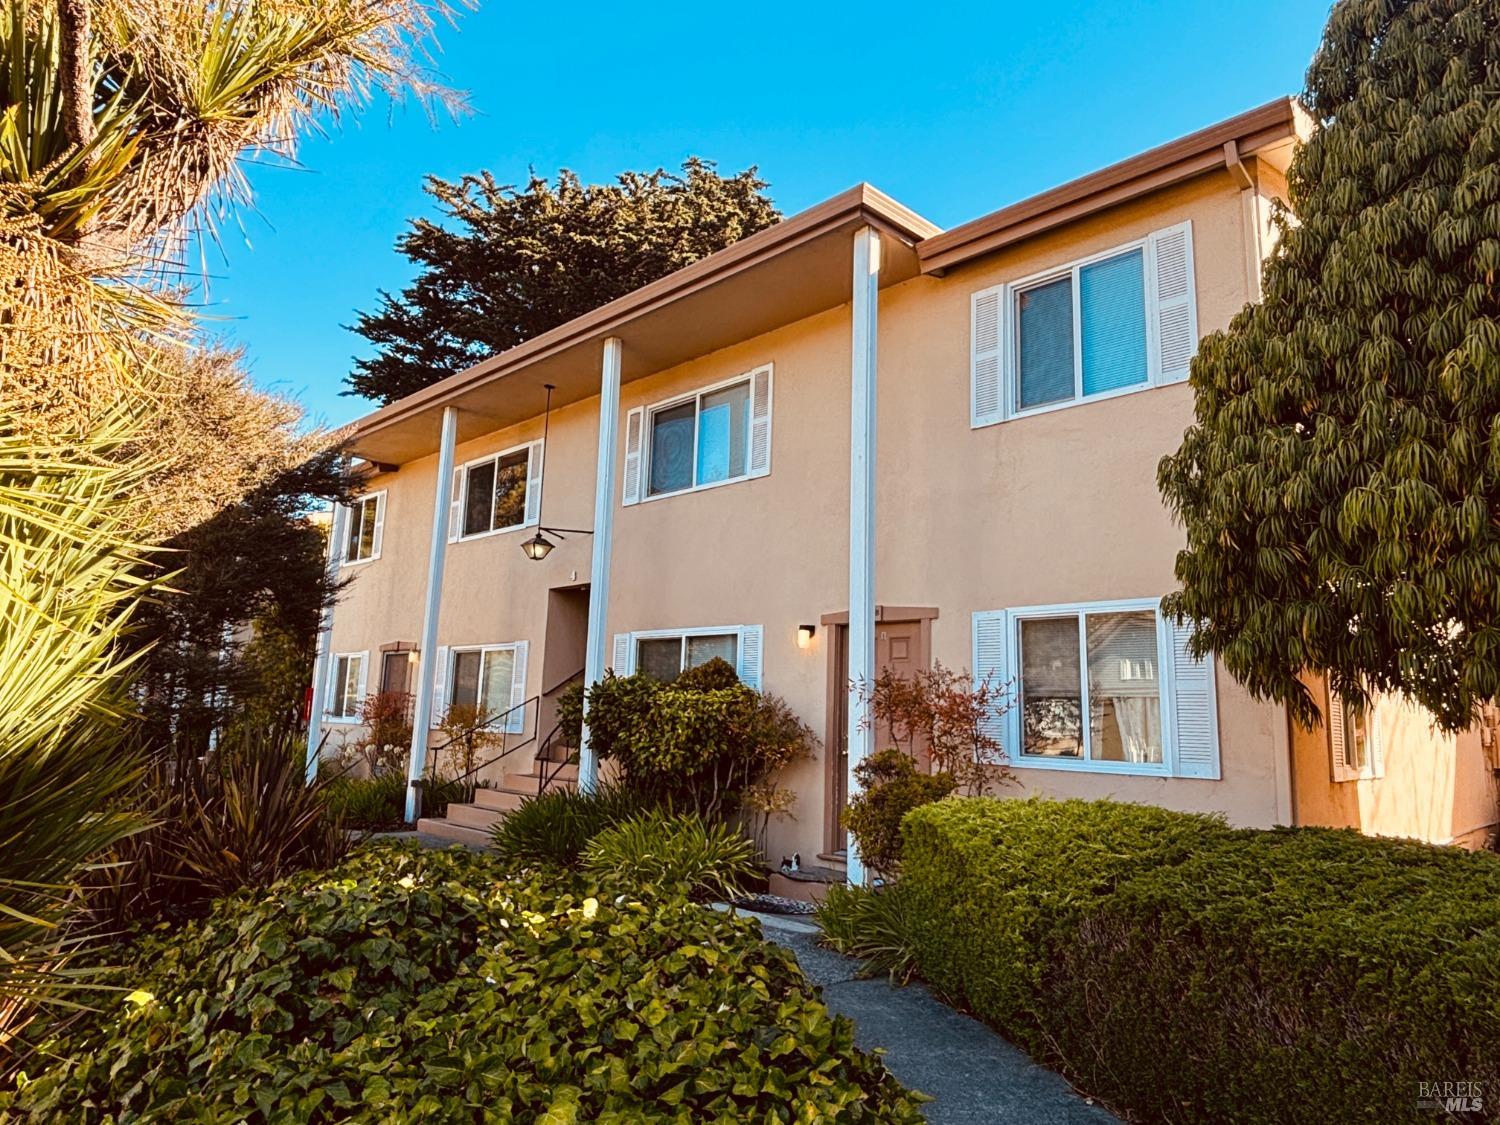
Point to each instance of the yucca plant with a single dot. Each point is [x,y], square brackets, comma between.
[68,584]
[661,851]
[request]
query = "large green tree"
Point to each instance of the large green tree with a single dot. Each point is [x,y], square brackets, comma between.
[1341,484]
[513,263]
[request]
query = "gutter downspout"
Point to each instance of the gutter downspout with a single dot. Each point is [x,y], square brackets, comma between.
[421,721]
[1250,205]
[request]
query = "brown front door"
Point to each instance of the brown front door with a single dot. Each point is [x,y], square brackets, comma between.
[900,647]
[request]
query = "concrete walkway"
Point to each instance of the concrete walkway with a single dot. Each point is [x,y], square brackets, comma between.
[973,1074]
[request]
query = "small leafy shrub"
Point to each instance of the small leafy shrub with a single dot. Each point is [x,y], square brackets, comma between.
[555,827]
[369,802]
[384,739]
[945,715]
[570,714]
[1186,971]
[891,787]
[874,925]
[683,852]
[412,984]
[697,744]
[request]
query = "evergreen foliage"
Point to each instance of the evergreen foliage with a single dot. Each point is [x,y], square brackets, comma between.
[513,263]
[1341,484]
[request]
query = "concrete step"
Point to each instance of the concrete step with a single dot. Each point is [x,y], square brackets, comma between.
[453,833]
[474,816]
[529,782]
[496,801]
[568,771]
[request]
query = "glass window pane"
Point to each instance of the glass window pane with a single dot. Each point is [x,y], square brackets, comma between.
[722,425]
[367,528]
[700,650]
[465,680]
[672,448]
[499,668]
[340,687]
[1051,696]
[351,540]
[1124,688]
[479,499]
[510,489]
[395,672]
[660,658]
[1044,318]
[1112,302]
[1356,737]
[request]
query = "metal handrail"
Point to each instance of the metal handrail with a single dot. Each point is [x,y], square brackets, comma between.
[544,778]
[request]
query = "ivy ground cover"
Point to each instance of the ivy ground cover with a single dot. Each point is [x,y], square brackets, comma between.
[443,986]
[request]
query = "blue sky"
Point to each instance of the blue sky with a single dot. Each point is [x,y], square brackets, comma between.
[953,109]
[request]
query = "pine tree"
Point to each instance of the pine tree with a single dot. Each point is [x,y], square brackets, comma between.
[515,263]
[1341,484]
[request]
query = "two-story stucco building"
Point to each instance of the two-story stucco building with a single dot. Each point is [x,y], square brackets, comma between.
[855,441]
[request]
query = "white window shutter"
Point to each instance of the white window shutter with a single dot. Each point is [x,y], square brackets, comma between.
[516,721]
[330,692]
[1194,705]
[991,665]
[635,426]
[622,662]
[1173,311]
[984,357]
[750,655]
[456,507]
[760,421]
[343,530]
[1337,736]
[379,526]
[439,687]
[534,483]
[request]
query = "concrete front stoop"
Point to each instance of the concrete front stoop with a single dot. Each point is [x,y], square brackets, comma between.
[471,823]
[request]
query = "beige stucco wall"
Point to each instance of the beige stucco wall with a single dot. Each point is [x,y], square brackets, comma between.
[1437,787]
[1056,507]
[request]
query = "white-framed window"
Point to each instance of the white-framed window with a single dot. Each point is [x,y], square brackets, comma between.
[496,493]
[347,677]
[1354,743]
[364,527]
[489,676]
[1115,322]
[715,435]
[1103,686]
[664,654]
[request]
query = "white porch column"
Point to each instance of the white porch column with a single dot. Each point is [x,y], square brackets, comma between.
[597,654]
[319,704]
[421,720]
[866,302]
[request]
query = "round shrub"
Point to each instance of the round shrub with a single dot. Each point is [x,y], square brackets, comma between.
[410,985]
[891,787]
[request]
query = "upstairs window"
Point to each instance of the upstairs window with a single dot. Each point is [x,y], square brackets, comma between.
[366,520]
[713,436]
[500,492]
[1118,321]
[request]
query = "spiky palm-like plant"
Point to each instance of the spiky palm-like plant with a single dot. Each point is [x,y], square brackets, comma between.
[69,578]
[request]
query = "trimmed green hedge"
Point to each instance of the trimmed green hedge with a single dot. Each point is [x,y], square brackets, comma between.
[439,986]
[1185,971]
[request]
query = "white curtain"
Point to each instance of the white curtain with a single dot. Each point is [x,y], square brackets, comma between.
[1139,720]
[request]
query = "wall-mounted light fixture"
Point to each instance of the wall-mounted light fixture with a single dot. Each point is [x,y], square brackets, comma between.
[805,635]
[538,547]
